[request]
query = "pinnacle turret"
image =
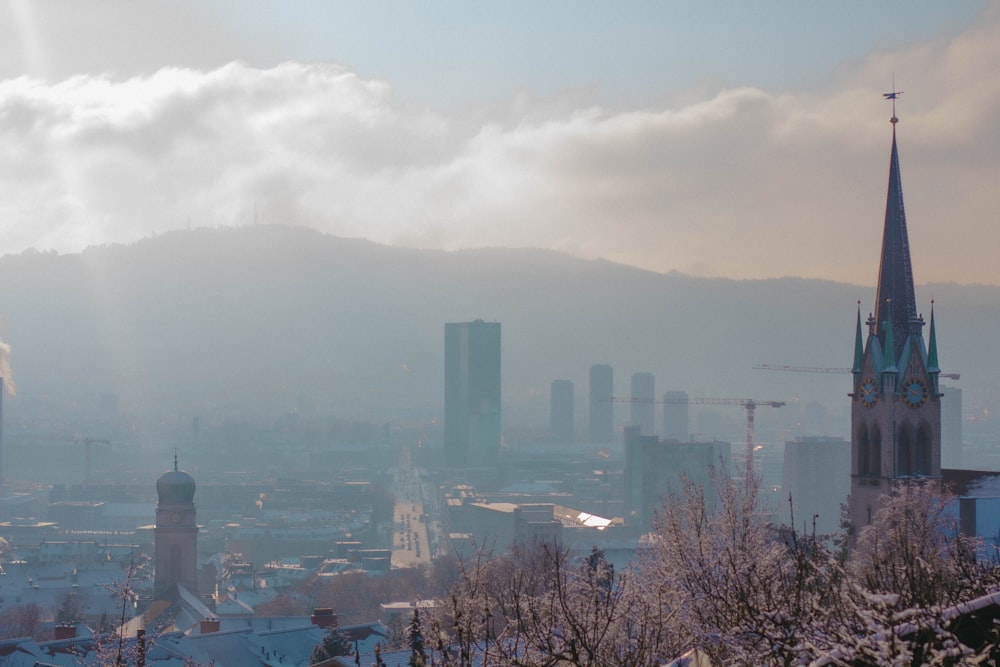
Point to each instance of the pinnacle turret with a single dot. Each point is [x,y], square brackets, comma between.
[859,346]
[932,349]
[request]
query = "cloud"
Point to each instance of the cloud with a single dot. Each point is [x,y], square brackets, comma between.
[743,183]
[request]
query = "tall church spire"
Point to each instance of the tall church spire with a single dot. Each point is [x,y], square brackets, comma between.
[895,297]
[895,402]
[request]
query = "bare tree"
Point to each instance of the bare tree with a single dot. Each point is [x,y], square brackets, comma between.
[20,621]
[729,579]
[540,606]
[742,588]
[914,549]
[912,571]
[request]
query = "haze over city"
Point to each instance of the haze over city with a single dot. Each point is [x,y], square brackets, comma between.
[490,334]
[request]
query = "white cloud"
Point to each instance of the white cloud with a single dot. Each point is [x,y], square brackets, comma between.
[746,183]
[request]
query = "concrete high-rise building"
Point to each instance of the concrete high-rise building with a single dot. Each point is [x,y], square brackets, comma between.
[644,402]
[951,428]
[602,407]
[471,392]
[175,535]
[896,400]
[561,419]
[654,469]
[675,416]
[816,474]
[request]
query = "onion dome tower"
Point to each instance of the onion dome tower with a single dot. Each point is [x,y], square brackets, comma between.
[176,534]
[895,404]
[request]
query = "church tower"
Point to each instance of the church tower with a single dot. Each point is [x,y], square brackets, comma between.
[176,534]
[896,402]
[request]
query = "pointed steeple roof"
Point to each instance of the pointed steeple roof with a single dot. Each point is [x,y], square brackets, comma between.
[859,345]
[895,299]
[932,353]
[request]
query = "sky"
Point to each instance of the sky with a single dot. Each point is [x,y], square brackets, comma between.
[720,139]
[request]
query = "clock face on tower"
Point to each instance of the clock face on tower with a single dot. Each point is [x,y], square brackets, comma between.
[914,392]
[869,392]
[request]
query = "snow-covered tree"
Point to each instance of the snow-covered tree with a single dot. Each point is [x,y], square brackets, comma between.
[914,549]
[738,586]
[415,634]
[732,581]
[72,609]
[913,575]
[335,643]
[538,605]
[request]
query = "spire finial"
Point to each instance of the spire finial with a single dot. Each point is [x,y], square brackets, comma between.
[892,96]
[175,457]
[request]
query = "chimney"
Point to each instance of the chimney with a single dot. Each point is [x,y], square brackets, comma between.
[65,632]
[323,617]
[209,625]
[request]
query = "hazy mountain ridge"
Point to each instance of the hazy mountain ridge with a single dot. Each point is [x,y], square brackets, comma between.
[274,318]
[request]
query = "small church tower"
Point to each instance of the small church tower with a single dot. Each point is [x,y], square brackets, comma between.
[176,534]
[896,402]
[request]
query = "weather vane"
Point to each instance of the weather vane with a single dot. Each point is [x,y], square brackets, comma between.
[892,96]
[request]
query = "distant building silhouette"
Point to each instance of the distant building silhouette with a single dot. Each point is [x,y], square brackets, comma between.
[654,468]
[675,416]
[561,419]
[896,400]
[602,408]
[176,534]
[644,402]
[951,428]
[471,392]
[816,474]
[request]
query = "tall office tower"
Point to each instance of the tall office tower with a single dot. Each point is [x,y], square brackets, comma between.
[602,407]
[951,428]
[471,392]
[675,416]
[644,402]
[561,421]
[896,400]
[175,535]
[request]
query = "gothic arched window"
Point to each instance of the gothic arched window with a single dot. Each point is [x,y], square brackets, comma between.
[922,450]
[904,451]
[875,456]
[864,451]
